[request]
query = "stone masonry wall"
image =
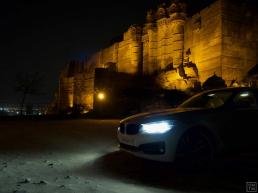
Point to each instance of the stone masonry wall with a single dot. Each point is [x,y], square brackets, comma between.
[221,39]
[203,36]
[239,40]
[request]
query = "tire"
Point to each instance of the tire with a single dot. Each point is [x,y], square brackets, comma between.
[195,150]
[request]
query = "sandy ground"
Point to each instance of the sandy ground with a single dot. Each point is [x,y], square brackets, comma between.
[81,156]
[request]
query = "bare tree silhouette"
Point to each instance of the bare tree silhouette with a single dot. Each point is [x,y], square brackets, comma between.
[28,84]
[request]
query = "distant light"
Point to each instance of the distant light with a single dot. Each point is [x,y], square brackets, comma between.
[211,95]
[101,96]
[246,94]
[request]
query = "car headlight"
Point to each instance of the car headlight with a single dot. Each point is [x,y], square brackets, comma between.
[158,127]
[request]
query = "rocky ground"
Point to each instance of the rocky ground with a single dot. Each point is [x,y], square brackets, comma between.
[80,156]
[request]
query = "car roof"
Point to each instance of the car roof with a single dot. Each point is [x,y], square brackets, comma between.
[237,89]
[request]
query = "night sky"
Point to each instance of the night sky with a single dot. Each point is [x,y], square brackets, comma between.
[42,36]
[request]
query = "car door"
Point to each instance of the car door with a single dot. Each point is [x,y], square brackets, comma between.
[244,120]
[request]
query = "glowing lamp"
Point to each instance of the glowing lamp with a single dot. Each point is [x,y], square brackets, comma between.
[158,127]
[101,96]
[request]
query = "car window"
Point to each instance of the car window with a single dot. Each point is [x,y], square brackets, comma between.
[245,99]
[215,101]
[208,100]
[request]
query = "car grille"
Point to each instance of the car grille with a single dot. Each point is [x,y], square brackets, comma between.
[130,128]
[129,147]
[156,148]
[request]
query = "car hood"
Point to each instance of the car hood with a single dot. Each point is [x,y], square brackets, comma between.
[142,117]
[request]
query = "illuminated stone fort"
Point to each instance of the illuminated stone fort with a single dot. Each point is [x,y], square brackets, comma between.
[221,39]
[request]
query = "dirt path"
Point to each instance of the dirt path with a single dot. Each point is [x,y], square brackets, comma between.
[79,156]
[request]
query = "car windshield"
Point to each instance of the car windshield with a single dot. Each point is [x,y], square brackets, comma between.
[211,99]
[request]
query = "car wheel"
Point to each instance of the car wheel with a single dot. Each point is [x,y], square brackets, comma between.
[194,150]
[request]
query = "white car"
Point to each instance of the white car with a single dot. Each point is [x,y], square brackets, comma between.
[210,122]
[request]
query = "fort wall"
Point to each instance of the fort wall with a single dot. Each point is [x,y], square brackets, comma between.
[221,39]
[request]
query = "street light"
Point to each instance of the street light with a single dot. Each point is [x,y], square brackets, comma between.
[101,96]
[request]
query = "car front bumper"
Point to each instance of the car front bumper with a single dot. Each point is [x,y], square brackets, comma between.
[158,147]
[155,148]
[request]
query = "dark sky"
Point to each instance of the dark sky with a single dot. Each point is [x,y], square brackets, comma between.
[41,36]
